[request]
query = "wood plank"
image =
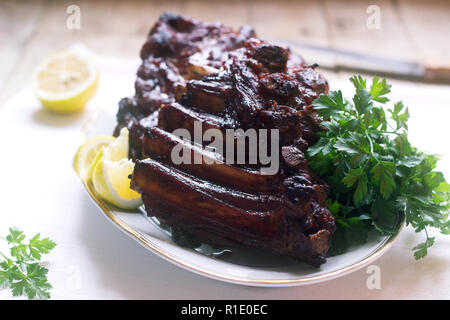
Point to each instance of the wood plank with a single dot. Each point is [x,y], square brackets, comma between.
[111,18]
[18,20]
[428,25]
[348,30]
[302,21]
[232,13]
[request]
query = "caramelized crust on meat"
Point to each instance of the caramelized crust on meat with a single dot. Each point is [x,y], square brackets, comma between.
[226,79]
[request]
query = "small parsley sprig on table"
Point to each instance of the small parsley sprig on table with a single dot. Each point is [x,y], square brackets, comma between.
[375,176]
[21,271]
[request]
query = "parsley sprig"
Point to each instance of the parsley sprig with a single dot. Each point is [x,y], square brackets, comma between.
[376,177]
[21,271]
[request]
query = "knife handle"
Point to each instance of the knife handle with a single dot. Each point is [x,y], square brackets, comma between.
[437,72]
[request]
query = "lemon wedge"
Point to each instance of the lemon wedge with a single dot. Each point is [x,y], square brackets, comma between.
[88,154]
[109,171]
[65,81]
[111,181]
[118,149]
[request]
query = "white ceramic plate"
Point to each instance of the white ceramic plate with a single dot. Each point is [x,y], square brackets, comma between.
[246,267]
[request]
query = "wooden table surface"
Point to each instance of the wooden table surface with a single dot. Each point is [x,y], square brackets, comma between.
[30,30]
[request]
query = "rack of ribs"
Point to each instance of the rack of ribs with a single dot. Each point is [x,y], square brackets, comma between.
[209,74]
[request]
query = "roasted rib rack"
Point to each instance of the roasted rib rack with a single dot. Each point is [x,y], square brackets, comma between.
[225,79]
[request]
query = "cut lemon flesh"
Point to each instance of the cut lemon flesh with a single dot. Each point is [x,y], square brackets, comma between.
[109,169]
[118,149]
[87,153]
[110,180]
[65,82]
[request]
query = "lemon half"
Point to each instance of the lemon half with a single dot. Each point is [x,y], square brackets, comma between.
[65,81]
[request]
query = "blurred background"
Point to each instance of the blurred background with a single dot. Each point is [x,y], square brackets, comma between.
[410,30]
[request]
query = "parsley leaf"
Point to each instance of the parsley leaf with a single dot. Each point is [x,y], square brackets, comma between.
[421,250]
[21,272]
[383,173]
[39,246]
[376,177]
[379,89]
[33,282]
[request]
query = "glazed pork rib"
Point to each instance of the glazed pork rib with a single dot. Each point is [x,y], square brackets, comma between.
[158,144]
[205,73]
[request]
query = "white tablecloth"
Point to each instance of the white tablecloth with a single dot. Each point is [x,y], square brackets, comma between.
[39,192]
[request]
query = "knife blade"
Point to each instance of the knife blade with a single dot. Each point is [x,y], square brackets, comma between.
[341,60]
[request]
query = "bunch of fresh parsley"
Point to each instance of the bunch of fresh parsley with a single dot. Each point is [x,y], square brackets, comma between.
[22,271]
[376,177]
